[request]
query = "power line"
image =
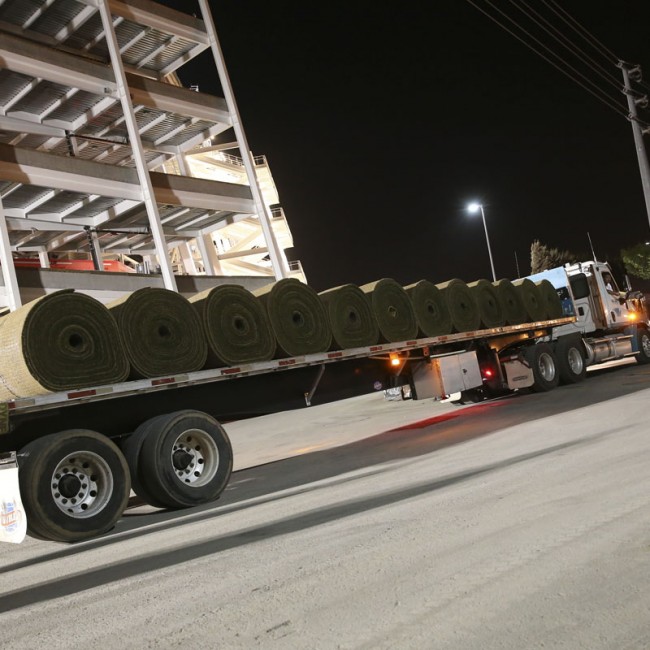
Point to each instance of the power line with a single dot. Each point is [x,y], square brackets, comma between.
[569,44]
[611,103]
[578,28]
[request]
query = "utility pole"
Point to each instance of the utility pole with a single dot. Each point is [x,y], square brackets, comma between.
[633,100]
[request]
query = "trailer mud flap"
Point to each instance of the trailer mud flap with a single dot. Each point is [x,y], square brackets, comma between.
[518,373]
[13,522]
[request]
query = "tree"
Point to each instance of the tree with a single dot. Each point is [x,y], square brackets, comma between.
[543,258]
[637,260]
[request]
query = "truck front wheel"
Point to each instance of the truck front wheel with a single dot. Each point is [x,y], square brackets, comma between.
[74,485]
[643,343]
[543,363]
[179,459]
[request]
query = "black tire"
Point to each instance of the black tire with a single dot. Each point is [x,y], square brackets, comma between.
[571,360]
[74,485]
[543,363]
[643,344]
[131,448]
[471,396]
[185,459]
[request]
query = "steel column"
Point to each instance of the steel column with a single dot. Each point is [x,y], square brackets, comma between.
[277,258]
[169,280]
[8,268]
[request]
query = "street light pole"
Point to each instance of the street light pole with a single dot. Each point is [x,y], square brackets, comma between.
[475,207]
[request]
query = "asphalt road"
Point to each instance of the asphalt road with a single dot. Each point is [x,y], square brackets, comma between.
[518,523]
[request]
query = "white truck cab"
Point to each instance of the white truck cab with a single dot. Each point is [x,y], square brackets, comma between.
[612,323]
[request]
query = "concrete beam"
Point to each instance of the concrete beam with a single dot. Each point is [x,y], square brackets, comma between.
[36,60]
[73,174]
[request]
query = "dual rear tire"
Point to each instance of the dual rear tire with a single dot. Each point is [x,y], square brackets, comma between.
[563,364]
[76,484]
[179,460]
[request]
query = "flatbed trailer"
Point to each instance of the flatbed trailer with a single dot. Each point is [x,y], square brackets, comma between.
[80,452]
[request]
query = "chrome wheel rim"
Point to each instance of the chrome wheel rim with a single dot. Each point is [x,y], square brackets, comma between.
[576,362]
[82,484]
[195,457]
[546,366]
[645,344]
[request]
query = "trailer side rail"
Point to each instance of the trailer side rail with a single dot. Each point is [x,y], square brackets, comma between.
[56,400]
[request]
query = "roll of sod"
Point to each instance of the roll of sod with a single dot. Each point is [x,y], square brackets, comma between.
[430,308]
[487,300]
[161,333]
[531,298]
[350,316]
[235,326]
[550,299]
[298,318]
[393,310]
[62,341]
[511,302]
[462,306]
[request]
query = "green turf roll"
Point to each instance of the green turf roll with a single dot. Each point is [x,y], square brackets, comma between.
[487,300]
[462,306]
[430,308]
[298,318]
[550,299]
[235,325]
[161,333]
[531,298]
[351,317]
[62,341]
[511,302]
[393,310]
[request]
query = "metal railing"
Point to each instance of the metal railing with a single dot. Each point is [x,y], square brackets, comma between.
[222,156]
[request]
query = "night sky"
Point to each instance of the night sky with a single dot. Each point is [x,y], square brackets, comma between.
[381,121]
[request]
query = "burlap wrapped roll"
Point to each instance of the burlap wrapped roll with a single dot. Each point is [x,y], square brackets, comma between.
[487,300]
[531,298]
[235,326]
[393,310]
[350,316]
[430,308]
[462,306]
[511,302]
[62,341]
[161,333]
[297,316]
[550,299]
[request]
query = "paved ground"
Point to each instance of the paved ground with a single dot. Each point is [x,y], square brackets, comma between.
[520,523]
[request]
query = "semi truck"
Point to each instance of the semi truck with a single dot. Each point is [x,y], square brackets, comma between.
[69,460]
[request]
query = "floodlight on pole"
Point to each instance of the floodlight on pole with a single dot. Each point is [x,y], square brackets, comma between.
[473,208]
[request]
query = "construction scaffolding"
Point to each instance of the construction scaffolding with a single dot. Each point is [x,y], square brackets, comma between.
[104,156]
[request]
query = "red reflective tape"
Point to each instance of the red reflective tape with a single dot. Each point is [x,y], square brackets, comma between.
[82,393]
[11,405]
[411,343]
[166,380]
[230,371]
[376,348]
[287,362]
[334,355]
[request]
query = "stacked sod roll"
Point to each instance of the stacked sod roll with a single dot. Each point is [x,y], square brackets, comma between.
[67,340]
[61,341]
